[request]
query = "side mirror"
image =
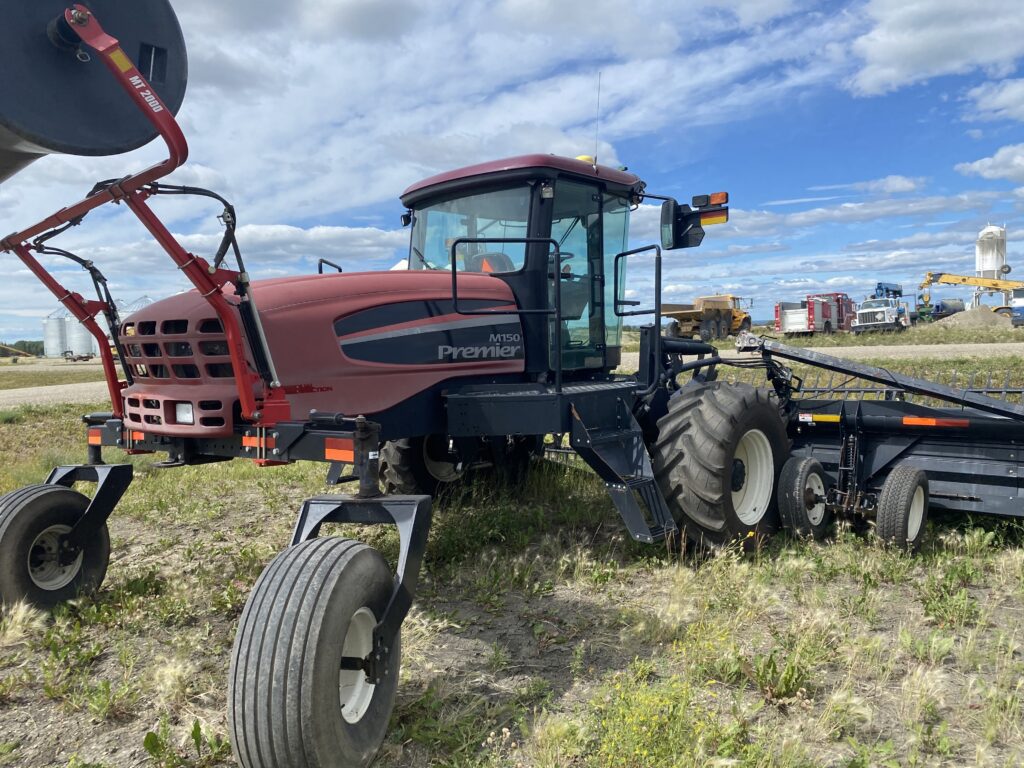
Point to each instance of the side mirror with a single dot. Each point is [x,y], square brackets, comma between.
[680,226]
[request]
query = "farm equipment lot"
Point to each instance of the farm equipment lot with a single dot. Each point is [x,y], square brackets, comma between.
[539,616]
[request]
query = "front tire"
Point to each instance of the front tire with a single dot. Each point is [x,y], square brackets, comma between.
[289,701]
[719,451]
[32,522]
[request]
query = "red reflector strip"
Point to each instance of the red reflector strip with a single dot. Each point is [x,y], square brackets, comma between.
[714,217]
[340,449]
[919,421]
[95,437]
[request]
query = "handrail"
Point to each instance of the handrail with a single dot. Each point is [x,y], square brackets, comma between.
[557,312]
[616,303]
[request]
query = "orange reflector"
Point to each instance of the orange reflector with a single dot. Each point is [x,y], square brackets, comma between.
[719,198]
[251,441]
[919,421]
[714,217]
[340,449]
[137,436]
[95,437]
[485,266]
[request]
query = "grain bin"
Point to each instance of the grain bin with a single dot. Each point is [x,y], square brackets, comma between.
[55,333]
[990,253]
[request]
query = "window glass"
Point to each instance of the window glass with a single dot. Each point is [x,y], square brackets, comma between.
[616,238]
[499,214]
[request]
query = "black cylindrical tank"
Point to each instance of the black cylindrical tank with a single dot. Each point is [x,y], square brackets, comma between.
[55,98]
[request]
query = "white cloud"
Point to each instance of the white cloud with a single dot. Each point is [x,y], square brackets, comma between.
[1006,163]
[1003,100]
[889,185]
[914,40]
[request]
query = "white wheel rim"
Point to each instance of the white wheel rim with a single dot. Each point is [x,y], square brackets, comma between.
[750,501]
[443,471]
[44,566]
[814,484]
[354,690]
[916,515]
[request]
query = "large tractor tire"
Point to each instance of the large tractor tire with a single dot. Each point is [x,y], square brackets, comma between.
[717,458]
[289,701]
[707,330]
[419,465]
[32,521]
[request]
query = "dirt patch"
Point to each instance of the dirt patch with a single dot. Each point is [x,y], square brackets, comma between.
[975,318]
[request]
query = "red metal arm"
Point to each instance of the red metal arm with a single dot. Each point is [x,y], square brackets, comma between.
[130,189]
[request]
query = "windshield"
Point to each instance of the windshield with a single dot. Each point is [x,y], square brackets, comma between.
[876,304]
[500,214]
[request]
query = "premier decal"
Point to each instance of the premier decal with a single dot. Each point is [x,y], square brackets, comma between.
[448,352]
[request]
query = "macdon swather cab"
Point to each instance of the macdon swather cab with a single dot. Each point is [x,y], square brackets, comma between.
[505,328]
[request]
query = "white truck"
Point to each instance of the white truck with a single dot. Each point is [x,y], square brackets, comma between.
[884,314]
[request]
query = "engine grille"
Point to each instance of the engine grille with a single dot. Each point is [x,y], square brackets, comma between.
[871,317]
[179,361]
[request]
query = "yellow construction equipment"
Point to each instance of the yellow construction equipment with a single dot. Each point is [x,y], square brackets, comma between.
[1012,290]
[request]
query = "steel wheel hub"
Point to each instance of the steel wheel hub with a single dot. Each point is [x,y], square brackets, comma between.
[751,499]
[44,566]
[355,692]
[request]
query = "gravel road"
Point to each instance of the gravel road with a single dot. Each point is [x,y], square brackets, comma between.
[96,392]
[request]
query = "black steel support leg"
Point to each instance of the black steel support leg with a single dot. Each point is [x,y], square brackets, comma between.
[112,480]
[412,516]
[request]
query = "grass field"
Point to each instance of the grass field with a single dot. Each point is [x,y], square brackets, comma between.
[46,373]
[542,636]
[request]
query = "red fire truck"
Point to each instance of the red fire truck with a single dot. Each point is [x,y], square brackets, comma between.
[818,313]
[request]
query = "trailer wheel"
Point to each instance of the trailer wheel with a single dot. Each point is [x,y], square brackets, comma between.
[719,451]
[903,507]
[289,701]
[418,465]
[32,521]
[801,486]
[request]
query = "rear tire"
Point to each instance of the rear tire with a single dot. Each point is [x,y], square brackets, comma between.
[414,466]
[289,702]
[903,507]
[802,515]
[707,329]
[719,451]
[32,521]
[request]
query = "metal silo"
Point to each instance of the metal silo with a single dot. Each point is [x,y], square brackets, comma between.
[990,252]
[55,333]
[80,341]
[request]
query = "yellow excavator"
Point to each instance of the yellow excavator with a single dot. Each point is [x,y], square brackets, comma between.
[1012,290]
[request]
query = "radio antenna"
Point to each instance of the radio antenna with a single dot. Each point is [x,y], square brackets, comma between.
[597,125]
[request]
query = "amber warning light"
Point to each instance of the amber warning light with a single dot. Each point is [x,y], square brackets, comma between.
[716,203]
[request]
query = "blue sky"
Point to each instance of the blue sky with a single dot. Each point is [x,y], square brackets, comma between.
[859,141]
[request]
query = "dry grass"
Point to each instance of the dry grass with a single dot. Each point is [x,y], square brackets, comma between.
[542,636]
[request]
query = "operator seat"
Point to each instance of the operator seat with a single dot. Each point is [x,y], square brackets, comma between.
[490,262]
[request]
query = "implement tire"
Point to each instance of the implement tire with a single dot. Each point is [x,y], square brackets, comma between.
[289,701]
[717,458]
[32,521]
[802,480]
[903,507]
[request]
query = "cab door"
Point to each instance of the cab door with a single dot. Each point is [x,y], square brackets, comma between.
[576,227]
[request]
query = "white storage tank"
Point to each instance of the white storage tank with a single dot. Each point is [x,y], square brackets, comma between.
[55,333]
[80,341]
[990,252]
